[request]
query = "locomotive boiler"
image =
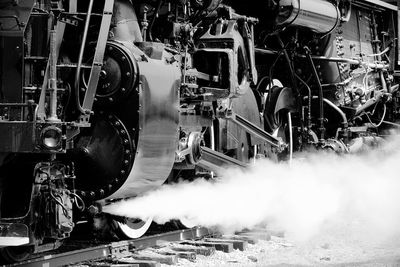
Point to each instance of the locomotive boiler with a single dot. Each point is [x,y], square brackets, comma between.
[105,100]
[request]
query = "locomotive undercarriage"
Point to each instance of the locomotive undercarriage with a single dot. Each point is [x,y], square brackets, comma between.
[107,100]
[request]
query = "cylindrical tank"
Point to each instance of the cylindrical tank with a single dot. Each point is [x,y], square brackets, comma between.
[319,16]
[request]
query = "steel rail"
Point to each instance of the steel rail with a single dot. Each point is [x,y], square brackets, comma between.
[114,249]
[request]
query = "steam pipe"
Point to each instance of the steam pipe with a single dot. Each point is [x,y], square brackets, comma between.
[154,19]
[320,94]
[330,59]
[341,113]
[369,103]
[309,101]
[288,61]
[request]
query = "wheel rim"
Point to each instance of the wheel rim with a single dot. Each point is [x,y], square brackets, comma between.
[133,228]
[285,132]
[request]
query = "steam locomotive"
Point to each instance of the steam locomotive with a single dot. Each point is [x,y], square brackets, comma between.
[105,100]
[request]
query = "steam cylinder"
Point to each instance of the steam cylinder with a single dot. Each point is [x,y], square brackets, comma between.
[319,16]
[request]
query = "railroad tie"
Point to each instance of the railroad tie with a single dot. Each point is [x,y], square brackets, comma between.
[248,239]
[237,244]
[221,246]
[153,256]
[256,235]
[199,250]
[168,251]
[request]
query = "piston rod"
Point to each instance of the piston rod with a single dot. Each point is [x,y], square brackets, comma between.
[215,161]
[253,129]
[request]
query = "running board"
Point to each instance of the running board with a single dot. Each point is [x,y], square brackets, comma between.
[253,129]
[217,161]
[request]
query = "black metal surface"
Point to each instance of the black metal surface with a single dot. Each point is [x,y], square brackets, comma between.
[104,157]
[17,136]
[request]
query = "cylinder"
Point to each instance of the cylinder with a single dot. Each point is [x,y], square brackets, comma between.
[319,16]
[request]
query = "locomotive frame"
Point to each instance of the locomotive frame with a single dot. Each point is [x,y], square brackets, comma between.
[106,100]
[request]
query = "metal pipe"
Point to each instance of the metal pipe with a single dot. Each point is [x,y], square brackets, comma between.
[330,59]
[52,84]
[289,118]
[320,94]
[369,103]
[289,62]
[341,113]
[309,101]
[154,19]
[80,58]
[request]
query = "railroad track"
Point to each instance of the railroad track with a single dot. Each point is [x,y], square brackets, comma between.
[164,248]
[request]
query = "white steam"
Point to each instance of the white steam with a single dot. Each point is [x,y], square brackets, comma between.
[317,190]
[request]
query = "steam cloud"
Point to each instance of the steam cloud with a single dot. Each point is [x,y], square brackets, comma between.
[316,190]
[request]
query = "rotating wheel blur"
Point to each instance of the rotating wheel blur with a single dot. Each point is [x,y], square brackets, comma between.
[133,228]
[15,254]
[284,131]
[279,105]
